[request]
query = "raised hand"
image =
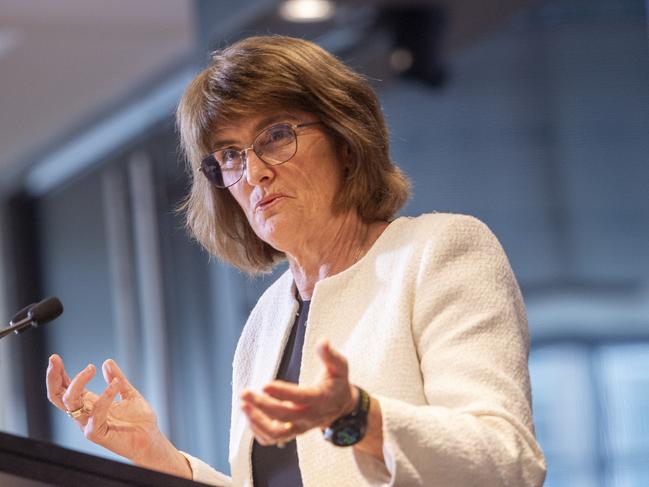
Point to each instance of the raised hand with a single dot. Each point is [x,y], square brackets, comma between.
[286,410]
[127,427]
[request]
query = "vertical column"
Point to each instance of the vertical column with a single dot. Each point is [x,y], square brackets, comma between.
[5,361]
[122,276]
[12,417]
[151,289]
[227,319]
[22,249]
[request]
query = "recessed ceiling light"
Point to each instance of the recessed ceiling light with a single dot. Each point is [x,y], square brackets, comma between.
[306,10]
[401,60]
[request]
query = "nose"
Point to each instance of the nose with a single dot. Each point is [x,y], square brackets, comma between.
[257,171]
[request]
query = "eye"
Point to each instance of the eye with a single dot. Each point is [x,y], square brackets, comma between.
[227,157]
[276,135]
[209,166]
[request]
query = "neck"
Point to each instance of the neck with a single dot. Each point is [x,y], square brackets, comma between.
[331,251]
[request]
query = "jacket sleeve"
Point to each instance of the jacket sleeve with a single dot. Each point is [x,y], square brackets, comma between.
[202,472]
[470,330]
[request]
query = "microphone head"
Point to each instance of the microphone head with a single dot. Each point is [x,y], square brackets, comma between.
[45,311]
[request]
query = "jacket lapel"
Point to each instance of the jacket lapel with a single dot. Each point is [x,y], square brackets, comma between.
[270,326]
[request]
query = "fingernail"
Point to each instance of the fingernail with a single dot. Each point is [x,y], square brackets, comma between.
[89,368]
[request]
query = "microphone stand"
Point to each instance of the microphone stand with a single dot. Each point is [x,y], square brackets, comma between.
[17,327]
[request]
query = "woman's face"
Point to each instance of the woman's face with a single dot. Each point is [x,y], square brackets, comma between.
[290,203]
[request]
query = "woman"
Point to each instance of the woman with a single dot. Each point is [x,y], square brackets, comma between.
[289,157]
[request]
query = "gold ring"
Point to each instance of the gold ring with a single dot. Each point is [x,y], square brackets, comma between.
[77,412]
[287,426]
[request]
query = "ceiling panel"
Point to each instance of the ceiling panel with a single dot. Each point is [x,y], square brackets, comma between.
[65,61]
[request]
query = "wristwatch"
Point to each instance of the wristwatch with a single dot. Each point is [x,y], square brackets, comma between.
[350,429]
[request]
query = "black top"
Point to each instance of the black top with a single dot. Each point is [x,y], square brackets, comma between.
[272,466]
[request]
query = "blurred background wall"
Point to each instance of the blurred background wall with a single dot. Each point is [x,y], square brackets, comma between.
[531,115]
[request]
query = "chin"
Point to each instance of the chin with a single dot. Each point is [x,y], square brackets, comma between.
[276,230]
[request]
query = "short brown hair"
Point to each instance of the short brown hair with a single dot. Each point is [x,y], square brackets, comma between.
[267,73]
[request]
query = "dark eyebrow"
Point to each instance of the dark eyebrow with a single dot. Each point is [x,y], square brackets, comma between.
[263,123]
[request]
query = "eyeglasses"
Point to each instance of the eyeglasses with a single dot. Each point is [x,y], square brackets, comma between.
[274,145]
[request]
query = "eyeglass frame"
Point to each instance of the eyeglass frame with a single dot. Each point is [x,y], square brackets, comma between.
[243,153]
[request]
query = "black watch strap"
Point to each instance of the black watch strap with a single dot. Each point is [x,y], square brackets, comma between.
[350,429]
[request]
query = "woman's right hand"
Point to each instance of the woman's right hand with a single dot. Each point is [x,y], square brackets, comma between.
[127,427]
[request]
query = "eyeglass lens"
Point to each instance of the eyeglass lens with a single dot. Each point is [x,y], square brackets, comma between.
[274,145]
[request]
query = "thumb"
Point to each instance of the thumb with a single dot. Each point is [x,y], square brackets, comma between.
[335,363]
[96,428]
[111,371]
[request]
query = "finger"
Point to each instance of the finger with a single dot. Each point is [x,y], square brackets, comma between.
[58,363]
[257,424]
[273,408]
[287,431]
[270,430]
[111,371]
[56,381]
[265,439]
[287,391]
[66,378]
[261,437]
[334,362]
[73,395]
[97,426]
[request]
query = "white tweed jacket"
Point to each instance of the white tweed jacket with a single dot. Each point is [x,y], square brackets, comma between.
[433,324]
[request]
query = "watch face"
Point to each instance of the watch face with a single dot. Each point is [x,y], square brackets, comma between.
[345,431]
[347,436]
[350,429]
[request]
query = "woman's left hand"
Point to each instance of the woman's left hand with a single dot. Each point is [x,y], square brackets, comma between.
[286,410]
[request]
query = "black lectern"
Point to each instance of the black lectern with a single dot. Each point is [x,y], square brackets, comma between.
[29,463]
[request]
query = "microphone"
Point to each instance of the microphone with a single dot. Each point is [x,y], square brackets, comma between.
[35,314]
[47,310]
[21,315]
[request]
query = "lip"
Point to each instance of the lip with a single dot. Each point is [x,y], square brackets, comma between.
[268,201]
